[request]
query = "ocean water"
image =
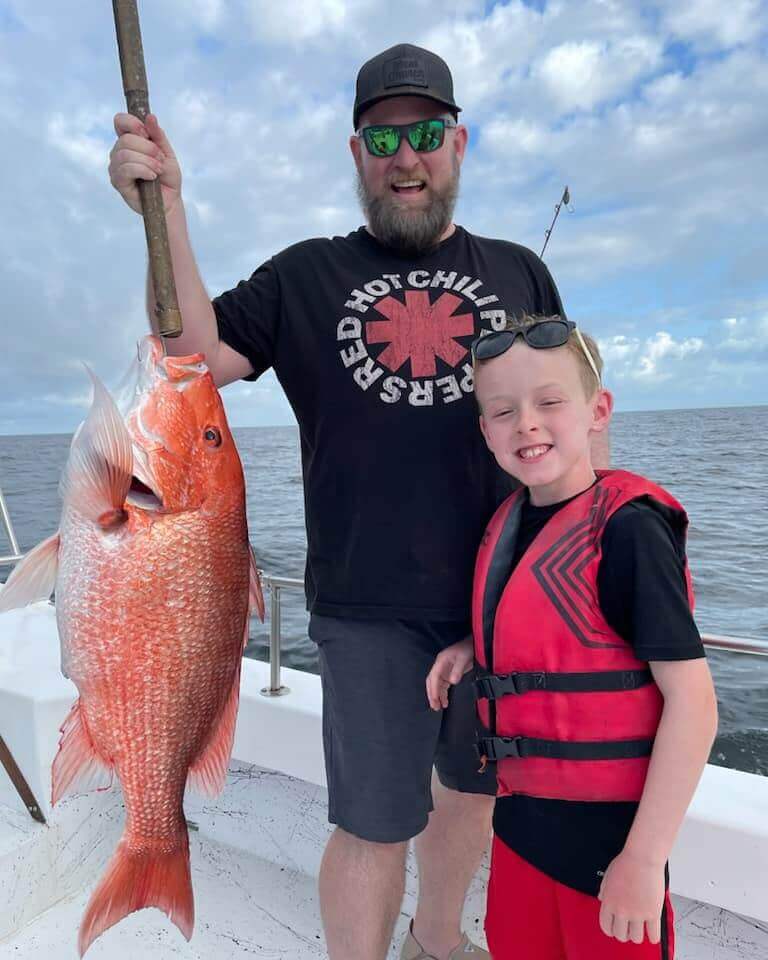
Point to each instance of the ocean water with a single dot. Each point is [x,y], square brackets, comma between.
[715,461]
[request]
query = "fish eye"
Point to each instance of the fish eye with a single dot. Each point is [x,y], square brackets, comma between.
[212,436]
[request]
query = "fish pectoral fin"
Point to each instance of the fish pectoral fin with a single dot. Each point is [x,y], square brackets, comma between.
[255,594]
[77,767]
[33,578]
[208,774]
[97,475]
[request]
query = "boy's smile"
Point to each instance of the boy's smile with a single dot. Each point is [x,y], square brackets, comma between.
[538,421]
[529,454]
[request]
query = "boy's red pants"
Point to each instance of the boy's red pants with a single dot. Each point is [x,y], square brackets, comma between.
[532,917]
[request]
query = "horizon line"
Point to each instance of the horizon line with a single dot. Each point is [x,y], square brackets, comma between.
[267,426]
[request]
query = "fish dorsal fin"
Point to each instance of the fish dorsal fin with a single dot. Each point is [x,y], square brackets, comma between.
[208,774]
[77,767]
[97,475]
[33,578]
[255,594]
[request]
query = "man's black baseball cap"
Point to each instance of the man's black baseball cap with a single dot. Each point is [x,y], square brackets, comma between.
[403,71]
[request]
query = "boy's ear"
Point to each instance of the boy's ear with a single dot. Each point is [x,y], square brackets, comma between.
[603,409]
[482,428]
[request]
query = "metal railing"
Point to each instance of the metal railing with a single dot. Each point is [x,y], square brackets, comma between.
[275,585]
[712,641]
[10,533]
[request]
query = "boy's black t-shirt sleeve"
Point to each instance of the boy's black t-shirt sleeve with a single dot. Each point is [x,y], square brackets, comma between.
[248,317]
[641,585]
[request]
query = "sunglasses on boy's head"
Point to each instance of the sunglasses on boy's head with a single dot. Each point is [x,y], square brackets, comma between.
[425,136]
[540,336]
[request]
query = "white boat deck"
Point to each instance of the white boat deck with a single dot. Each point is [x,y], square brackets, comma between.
[246,908]
[257,848]
[249,906]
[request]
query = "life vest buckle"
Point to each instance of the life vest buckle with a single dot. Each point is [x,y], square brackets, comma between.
[491,749]
[492,686]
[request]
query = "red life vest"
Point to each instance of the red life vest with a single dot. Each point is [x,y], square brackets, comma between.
[569,710]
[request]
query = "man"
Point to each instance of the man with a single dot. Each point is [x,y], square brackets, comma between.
[369,336]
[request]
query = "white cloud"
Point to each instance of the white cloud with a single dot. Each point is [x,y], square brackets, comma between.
[713,23]
[650,360]
[651,176]
[744,334]
[488,53]
[74,136]
[663,346]
[204,211]
[515,135]
[209,13]
[582,74]
[292,22]
[664,155]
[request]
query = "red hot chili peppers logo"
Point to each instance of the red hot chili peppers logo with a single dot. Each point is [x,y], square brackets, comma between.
[423,320]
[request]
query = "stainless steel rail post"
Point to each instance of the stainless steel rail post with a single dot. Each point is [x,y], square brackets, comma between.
[275,584]
[17,554]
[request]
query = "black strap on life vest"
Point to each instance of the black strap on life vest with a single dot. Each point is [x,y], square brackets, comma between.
[503,748]
[494,686]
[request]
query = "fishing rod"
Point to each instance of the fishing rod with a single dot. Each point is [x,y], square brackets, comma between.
[565,199]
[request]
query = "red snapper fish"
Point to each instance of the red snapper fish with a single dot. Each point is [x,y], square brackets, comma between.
[154,581]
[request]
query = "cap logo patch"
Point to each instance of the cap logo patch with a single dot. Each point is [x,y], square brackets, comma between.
[405,71]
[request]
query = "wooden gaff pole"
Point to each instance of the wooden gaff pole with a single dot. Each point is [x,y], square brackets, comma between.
[137,100]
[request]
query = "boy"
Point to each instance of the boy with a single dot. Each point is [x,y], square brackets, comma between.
[594,694]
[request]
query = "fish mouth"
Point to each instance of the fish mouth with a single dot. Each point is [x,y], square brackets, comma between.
[143,496]
[144,491]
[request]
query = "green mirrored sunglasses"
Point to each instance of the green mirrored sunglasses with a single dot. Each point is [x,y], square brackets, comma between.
[383,140]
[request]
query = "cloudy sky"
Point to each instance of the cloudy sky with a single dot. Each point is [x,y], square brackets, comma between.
[653,113]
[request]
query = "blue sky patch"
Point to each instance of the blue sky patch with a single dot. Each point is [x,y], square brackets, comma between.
[208,45]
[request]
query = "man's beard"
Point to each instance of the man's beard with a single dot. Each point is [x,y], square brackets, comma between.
[411,232]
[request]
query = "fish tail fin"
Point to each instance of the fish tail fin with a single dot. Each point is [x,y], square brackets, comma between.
[156,876]
[97,476]
[33,578]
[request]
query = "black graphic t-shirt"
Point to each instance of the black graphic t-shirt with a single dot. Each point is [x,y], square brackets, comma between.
[372,350]
[642,594]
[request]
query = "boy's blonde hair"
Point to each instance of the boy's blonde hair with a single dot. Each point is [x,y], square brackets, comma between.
[590,383]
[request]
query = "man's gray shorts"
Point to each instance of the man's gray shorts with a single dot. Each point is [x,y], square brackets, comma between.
[381,737]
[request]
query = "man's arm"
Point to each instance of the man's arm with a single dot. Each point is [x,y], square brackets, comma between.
[201,333]
[143,152]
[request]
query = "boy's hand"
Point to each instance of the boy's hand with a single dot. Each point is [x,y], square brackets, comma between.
[449,667]
[632,896]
